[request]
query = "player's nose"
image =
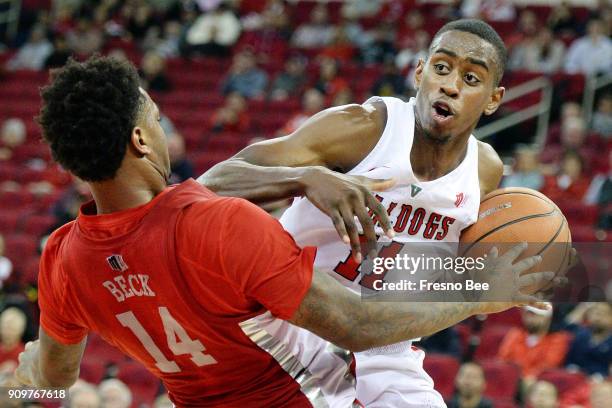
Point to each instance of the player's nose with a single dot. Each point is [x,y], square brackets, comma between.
[450,85]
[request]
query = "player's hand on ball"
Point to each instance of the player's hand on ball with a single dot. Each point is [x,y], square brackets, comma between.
[342,198]
[27,372]
[507,287]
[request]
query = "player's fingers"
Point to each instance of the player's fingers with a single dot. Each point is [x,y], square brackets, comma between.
[573,260]
[538,279]
[514,252]
[338,222]
[380,213]
[351,228]
[526,264]
[368,227]
[378,184]
[522,299]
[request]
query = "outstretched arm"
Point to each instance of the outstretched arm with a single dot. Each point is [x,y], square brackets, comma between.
[48,363]
[340,316]
[311,162]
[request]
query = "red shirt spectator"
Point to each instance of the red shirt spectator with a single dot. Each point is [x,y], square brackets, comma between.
[533,348]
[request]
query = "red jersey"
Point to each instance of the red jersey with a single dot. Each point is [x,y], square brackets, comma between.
[169,283]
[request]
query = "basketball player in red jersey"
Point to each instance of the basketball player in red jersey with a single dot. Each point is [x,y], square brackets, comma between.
[170,274]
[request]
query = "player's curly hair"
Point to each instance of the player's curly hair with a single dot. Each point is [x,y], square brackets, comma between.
[88,113]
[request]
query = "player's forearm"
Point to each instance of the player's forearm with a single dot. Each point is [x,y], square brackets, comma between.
[340,316]
[259,184]
[378,324]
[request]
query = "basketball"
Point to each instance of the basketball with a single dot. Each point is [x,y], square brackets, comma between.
[514,215]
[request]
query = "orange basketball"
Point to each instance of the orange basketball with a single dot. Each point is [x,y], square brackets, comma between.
[514,215]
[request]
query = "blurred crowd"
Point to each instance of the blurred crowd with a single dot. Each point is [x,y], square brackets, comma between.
[299,57]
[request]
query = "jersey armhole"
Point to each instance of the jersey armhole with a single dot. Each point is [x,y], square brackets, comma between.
[382,137]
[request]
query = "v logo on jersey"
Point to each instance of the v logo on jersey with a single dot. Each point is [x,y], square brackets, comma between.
[414,190]
[117,263]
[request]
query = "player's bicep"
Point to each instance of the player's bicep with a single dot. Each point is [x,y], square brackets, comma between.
[490,168]
[59,362]
[337,137]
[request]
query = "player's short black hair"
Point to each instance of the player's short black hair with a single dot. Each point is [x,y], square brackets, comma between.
[484,31]
[89,111]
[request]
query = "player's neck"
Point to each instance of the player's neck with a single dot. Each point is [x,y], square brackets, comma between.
[127,190]
[431,159]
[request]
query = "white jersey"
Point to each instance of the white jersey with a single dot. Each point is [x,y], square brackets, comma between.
[420,211]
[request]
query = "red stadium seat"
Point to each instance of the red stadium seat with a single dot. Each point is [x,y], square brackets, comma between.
[563,379]
[502,379]
[38,224]
[21,246]
[490,340]
[443,369]
[511,317]
[91,369]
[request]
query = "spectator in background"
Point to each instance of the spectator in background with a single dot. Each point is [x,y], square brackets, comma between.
[12,327]
[61,53]
[362,8]
[532,347]
[601,395]
[600,193]
[232,116]
[526,171]
[33,53]
[83,395]
[140,18]
[412,50]
[12,135]
[290,81]
[602,117]
[163,402]
[6,266]
[182,169]
[489,10]
[562,21]
[313,102]
[470,384]
[344,97]
[213,33]
[153,73]
[591,348]
[85,38]
[541,54]
[390,83]
[543,394]
[329,82]
[573,136]
[67,207]
[245,77]
[591,54]
[414,22]
[570,183]
[340,47]
[443,342]
[317,33]
[527,29]
[114,394]
[382,45]
[168,45]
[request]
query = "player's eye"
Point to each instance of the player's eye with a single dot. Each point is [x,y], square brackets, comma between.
[471,79]
[440,68]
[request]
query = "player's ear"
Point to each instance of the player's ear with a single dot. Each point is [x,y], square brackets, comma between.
[138,142]
[418,73]
[495,100]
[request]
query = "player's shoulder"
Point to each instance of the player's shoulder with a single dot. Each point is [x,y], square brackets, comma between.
[58,237]
[218,212]
[490,167]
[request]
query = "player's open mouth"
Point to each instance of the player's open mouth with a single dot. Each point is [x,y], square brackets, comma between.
[441,112]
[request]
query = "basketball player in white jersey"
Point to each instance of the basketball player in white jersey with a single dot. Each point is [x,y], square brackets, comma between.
[427,171]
